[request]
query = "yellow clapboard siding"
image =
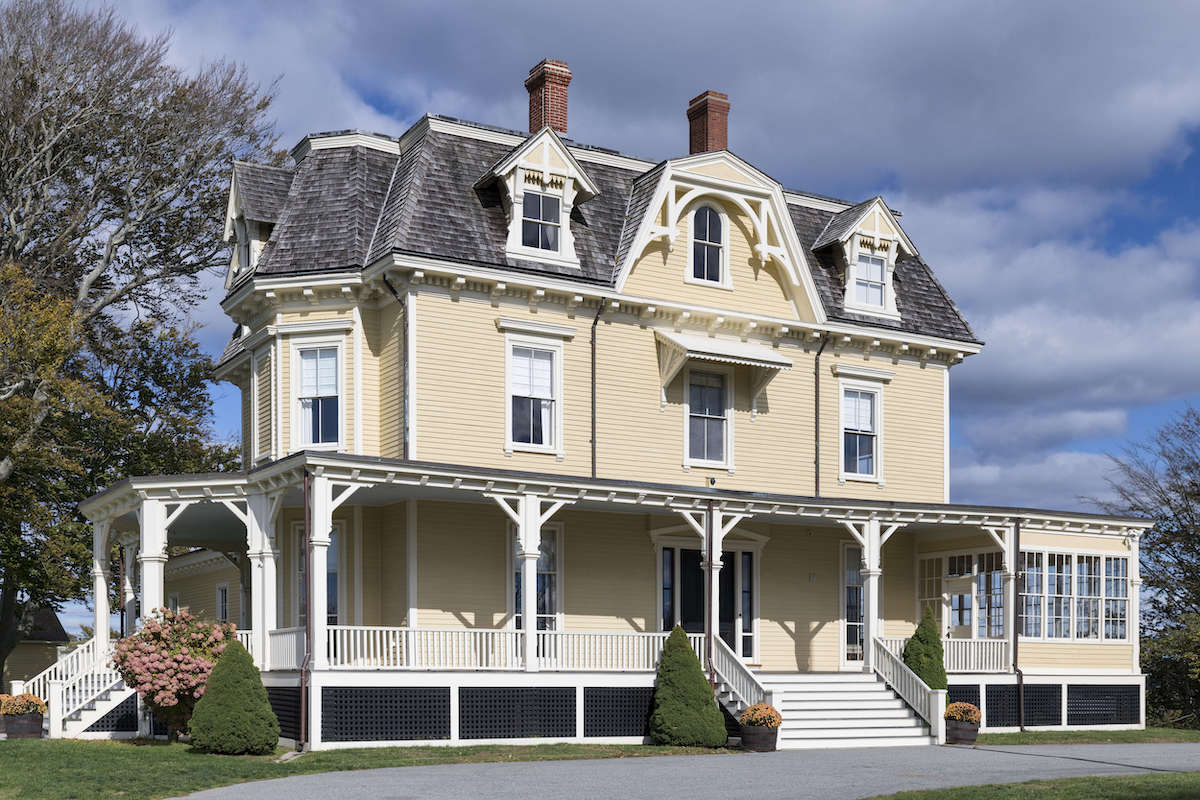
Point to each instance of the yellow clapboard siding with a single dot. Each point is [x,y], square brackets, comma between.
[369,353]
[389,348]
[198,592]
[265,406]
[1035,655]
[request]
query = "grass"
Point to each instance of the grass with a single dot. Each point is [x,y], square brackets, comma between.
[63,769]
[1175,786]
[1147,736]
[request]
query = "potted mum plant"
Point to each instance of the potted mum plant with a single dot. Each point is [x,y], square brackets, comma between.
[23,716]
[3,697]
[760,728]
[962,723]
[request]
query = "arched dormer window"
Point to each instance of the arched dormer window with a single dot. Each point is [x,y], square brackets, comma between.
[708,247]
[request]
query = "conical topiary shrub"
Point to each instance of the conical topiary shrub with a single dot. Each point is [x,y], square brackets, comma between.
[234,716]
[923,653]
[685,710]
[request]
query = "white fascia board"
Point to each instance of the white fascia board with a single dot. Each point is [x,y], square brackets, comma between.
[863,373]
[232,364]
[536,328]
[262,283]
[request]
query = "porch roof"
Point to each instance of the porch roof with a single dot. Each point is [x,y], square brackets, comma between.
[435,478]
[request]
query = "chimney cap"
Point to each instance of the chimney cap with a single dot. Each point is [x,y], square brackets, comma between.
[547,85]
[718,101]
[708,122]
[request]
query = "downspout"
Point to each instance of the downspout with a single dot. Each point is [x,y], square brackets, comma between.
[708,606]
[817,417]
[595,323]
[304,682]
[404,405]
[1015,637]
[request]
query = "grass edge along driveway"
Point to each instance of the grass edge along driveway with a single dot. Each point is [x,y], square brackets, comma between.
[1159,786]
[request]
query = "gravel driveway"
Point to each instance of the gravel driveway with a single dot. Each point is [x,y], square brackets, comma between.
[824,774]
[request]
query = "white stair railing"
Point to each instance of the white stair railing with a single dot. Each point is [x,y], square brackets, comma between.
[83,657]
[929,704]
[737,676]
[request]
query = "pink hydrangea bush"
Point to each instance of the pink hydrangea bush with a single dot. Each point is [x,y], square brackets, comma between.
[168,662]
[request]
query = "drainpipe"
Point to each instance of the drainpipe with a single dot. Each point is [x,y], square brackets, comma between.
[404,405]
[595,323]
[1015,637]
[817,417]
[708,606]
[304,682]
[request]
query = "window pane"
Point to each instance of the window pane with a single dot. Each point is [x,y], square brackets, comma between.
[532,206]
[542,382]
[866,454]
[696,437]
[521,379]
[699,266]
[870,268]
[715,444]
[308,373]
[712,262]
[327,371]
[522,419]
[329,419]
[530,233]
[549,237]
[550,209]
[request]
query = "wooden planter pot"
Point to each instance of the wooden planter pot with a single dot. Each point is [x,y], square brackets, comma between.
[959,732]
[759,739]
[22,726]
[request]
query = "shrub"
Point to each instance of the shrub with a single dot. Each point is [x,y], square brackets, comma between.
[168,662]
[761,715]
[923,653]
[685,710]
[22,704]
[962,712]
[234,716]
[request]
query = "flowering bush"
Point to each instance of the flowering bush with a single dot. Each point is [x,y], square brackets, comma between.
[761,715]
[22,704]
[168,662]
[963,712]
[3,698]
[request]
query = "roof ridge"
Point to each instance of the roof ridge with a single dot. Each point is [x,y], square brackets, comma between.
[383,208]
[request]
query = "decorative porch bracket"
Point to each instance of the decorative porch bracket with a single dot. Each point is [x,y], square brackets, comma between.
[529,512]
[722,524]
[871,536]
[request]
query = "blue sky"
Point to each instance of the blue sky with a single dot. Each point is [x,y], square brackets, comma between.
[1043,159]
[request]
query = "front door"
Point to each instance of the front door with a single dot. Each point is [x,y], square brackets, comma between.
[691,594]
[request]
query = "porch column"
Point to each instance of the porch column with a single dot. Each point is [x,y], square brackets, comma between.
[1006,537]
[720,524]
[152,556]
[100,583]
[322,524]
[128,591]
[1133,626]
[258,512]
[871,572]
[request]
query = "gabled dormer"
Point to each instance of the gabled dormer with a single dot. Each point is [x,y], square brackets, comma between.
[870,240]
[257,193]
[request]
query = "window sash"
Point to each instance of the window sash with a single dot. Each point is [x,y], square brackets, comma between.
[859,426]
[869,280]
[706,245]
[1077,597]
[707,417]
[533,394]
[318,395]
[540,221]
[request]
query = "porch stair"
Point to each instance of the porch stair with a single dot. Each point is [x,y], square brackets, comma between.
[842,709]
[75,725]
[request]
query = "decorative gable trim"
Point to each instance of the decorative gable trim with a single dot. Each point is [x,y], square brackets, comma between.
[759,197]
[868,231]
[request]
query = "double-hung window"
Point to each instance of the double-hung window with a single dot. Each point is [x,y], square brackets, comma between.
[1087,600]
[1031,588]
[1116,597]
[990,591]
[318,395]
[222,610]
[708,420]
[869,280]
[860,432]
[707,249]
[1058,596]
[540,221]
[533,396]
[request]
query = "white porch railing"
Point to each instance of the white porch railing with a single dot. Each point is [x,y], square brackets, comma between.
[285,646]
[963,655]
[247,640]
[80,659]
[367,647]
[928,703]
[736,675]
[596,651]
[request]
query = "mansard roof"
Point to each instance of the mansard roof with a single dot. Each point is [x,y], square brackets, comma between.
[262,189]
[349,206]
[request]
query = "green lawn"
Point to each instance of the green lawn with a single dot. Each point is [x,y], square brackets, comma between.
[1148,736]
[63,769]
[1185,786]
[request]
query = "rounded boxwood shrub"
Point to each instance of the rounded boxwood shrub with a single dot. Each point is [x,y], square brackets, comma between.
[685,709]
[234,716]
[923,653]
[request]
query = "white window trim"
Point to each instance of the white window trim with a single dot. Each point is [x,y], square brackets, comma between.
[858,385]
[311,343]
[344,600]
[850,299]
[173,601]
[1130,623]
[689,462]
[555,345]
[753,546]
[565,255]
[556,528]
[726,281]
[220,587]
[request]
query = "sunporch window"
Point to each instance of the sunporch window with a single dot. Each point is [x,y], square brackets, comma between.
[332,578]
[1116,594]
[318,395]
[1077,596]
[990,591]
[1030,587]
[1087,602]
[1058,596]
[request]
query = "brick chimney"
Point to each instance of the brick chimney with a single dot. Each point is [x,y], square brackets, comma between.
[547,85]
[708,122]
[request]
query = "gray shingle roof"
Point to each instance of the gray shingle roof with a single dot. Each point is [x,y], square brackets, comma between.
[348,207]
[263,189]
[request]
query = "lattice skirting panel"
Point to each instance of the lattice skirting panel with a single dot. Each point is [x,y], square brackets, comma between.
[617,711]
[285,702]
[1052,704]
[384,714]
[122,719]
[521,712]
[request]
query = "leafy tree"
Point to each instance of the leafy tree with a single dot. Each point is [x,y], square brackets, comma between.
[685,709]
[923,653]
[234,716]
[113,171]
[169,660]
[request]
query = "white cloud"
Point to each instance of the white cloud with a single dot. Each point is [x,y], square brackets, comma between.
[1063,480]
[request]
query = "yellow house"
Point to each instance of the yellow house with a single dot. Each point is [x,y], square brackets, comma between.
[492,378]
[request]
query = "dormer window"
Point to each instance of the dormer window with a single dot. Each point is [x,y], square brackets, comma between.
[869,280]
[707,250]
[540,222]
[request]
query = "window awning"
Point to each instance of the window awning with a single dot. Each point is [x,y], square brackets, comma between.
[674,350]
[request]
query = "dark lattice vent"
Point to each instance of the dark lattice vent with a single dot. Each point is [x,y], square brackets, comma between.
[285,702]
[1104,704]
[515,712]
[384,714]
[617,711]
[963,693]
[1001,711]
[121,719]
[1043,705]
